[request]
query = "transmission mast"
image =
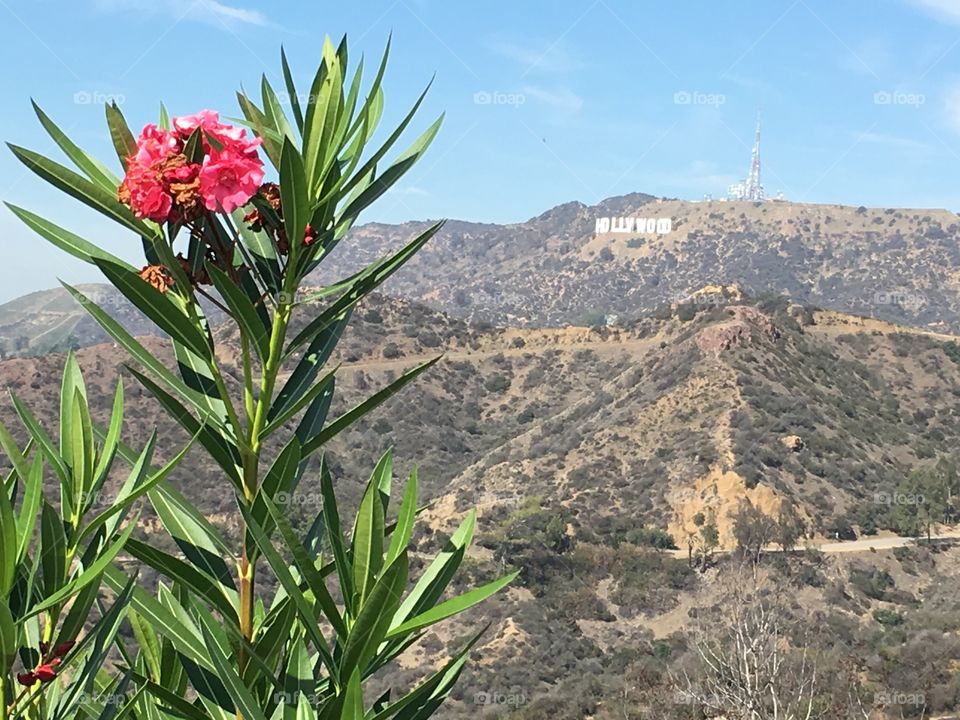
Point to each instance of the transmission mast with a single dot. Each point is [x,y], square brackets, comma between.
[754,187]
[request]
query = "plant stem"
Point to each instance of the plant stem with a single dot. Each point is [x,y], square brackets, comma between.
[251,470]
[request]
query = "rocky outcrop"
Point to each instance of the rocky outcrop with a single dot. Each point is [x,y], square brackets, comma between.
[747,326]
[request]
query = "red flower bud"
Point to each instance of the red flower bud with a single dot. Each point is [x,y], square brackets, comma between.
[309,236]
[47,672]
[64,647]
[44,648]
[27,679]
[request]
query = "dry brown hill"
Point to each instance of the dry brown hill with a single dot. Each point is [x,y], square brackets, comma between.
[575,443]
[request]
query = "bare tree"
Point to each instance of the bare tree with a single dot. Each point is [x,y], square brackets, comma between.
[745,665]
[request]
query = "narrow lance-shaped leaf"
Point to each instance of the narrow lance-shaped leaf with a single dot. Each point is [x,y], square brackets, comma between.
[64,239]
[89,575]
[89,165]
[8,543]
[374,401]
[156,307]
[452,607]
[123,141]
[368,533]
[83,190]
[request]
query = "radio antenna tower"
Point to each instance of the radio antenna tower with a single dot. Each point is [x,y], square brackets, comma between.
[754,187]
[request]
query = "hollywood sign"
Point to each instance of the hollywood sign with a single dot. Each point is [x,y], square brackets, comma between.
[649,226]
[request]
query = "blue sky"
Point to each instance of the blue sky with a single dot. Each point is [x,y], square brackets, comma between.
[546,101]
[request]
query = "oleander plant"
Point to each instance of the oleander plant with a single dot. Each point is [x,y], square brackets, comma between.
[233,214]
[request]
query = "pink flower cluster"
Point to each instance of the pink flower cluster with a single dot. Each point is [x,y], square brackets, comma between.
[162,184]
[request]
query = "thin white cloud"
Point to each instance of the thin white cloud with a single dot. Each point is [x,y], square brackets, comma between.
[537,57]
[945,10]
[209,11]
[561,98]
[952,106]
[893,141]
[411,191]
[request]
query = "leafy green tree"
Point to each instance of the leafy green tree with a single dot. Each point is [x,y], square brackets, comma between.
[211,643]
[753,529]
[920,502]
[710,539]
[790,526]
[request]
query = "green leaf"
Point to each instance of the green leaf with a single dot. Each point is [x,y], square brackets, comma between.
[83,190]
[8,639]
[123,141]
[291,90]
[194,534]
[366,282]
[147,642]
[189,576]
[280,478]
[434,687]
[40,436]
[298,679]
[54,549]
[64,239]
[294,196]
[331,516]
[197,375]
[273,110]
[368,532]
[245,703]
[291,587]
[89,575]
[377,156]
[152,303]
[141,354]
[109,450]
[392,174]
[184,635]
[243,311]
[79,613]
[401,535]
[308,571]
[30,507]
[316,355]
[438,574]
[452,607]
[325,383]
[323,109]
[353,698]
[215,443]
[371,403]
[9,554]
[257,120]
[89,165]
[132,487]
[9,445]
[370,628]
